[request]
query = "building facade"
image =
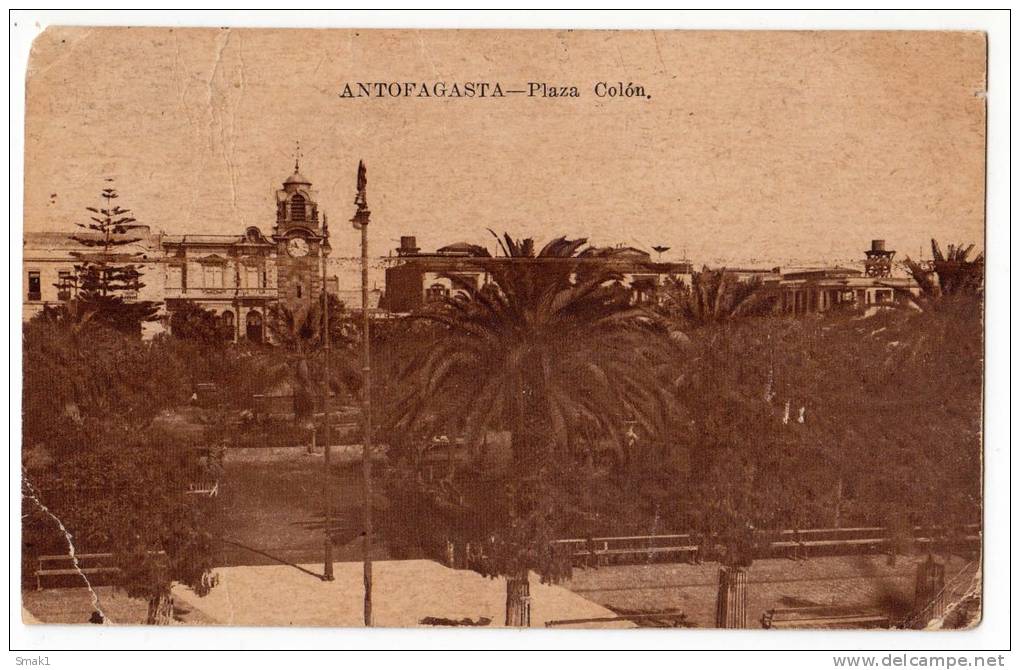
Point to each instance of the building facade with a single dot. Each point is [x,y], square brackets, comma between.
[242,277]
[416,278]
[238,277]
[48,275]
[821,289]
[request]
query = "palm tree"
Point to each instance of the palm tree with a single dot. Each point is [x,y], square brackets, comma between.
[299,334]
[947,273]
[713,296]
[548,352]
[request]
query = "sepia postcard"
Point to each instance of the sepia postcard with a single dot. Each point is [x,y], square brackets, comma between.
[558,329]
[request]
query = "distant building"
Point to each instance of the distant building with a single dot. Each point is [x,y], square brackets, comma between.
[809,290]
[234,276]
[416,278]
[823,289]
[239,277]
[49,275]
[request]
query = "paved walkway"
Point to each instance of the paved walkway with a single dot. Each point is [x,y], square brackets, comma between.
[404,593]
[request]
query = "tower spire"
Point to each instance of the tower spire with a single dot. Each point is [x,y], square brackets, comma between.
[297,156]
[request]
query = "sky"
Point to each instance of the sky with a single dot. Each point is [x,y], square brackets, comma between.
[753,148]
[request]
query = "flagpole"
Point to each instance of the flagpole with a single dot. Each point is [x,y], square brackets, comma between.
[360,222]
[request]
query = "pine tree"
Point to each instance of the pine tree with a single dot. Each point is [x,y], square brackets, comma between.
[107,275]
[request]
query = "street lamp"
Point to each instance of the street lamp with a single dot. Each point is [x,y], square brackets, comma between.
[360,221]
[327,570]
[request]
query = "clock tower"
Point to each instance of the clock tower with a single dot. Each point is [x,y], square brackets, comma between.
[301,240]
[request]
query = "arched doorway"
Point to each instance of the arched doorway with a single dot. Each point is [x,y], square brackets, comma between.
[253,326]
[227,325]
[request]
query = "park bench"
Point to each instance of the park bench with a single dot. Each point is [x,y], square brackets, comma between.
[793,544]
[801,543]
[601,549]
[638,551]
[823,616]
[206,394]
[664,619]
[966,539]
[85,566]
[800,548]
[88,564]
[206,488]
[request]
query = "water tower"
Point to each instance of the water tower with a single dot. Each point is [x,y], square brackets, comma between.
[879,260]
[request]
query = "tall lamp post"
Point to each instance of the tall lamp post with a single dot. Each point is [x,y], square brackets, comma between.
[360,222]
[327,570]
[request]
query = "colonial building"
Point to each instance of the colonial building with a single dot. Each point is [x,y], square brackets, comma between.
[416,277]
[239,277]
[821,289]
[639,272]
[48,269]
[234,276]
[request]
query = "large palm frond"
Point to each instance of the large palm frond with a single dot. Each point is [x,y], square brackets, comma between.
[547,352]
[299,335]
[713,296]
[947,273]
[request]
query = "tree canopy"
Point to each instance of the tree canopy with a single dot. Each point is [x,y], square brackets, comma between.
[552,356]
[100,456]
[107,277]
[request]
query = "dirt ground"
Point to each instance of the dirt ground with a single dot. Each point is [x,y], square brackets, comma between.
[280,595]
[272,500]
[74,606]
[866,581]
[405,592]
[862,581]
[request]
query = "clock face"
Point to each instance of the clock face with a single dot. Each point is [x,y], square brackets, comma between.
[297,247]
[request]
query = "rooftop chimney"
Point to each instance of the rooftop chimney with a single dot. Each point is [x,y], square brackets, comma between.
[408,246]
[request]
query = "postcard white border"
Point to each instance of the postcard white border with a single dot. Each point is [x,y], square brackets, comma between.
[992,634]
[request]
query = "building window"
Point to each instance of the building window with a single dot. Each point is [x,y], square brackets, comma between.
[34,286]
[299,290]
[227,324]
[175,276]
[643,287]
[64,283]
[253,326]
[435,292]
[213,276]
[251,277]
[297,208]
